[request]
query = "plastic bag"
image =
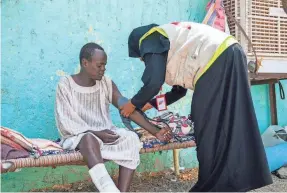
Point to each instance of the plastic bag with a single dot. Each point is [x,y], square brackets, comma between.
[274,135]
[276,156]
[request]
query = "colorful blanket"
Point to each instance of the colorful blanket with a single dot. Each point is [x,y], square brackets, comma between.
[180,125]
[150,141]
[182,129]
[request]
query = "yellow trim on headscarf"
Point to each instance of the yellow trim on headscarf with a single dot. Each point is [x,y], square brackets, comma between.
[226,43]
[154,29]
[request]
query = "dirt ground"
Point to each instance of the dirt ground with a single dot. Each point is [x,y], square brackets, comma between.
[158,182]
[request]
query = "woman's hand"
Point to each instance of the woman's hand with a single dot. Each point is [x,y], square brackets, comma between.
[127,109]
[147,106]
[164,135]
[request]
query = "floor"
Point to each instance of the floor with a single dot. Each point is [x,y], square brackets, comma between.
[159,182]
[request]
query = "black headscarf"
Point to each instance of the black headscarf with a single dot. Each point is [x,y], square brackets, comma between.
[156,43]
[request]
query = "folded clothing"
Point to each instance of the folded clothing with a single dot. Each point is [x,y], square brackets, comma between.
[18,141]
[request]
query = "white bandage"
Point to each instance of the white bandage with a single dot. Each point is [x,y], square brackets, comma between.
[102,179]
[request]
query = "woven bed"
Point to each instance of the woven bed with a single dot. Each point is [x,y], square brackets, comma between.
[75,158]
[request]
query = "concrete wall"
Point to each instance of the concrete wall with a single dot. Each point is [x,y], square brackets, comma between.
[41,41]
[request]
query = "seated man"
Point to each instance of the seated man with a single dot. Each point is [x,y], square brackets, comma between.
[83,120]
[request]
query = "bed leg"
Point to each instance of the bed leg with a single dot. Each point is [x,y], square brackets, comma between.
[176,161]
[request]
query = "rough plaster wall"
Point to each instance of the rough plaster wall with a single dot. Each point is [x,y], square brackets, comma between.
[41,41]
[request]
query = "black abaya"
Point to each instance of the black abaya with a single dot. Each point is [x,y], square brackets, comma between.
[229,147]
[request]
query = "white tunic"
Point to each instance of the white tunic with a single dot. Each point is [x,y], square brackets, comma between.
[79,109]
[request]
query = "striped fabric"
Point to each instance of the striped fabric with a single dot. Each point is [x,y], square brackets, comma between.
[81,110]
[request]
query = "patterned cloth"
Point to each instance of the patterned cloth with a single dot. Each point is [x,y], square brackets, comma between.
[182,128]
[215,16]
[56,152]
[180,125]
[150,141]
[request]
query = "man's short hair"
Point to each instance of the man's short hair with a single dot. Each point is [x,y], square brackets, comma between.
[88,50]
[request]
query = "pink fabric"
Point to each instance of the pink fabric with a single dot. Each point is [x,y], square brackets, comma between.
[28,144]
[16,138]
[45,144]
[215,16]
[7,141]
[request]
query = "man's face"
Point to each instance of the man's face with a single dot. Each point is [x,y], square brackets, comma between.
[97,66]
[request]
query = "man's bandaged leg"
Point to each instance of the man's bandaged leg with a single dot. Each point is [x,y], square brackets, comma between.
[102,179]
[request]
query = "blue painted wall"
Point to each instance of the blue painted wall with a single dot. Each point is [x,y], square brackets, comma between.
[260,95]
[41,41]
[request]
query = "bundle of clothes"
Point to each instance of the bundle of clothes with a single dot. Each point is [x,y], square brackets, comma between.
[15,145]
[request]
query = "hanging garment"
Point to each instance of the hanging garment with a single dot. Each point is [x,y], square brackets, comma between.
[215,16]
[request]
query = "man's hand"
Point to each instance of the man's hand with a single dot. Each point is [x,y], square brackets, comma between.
[127,109]
[147,106]
[107,136]
[164,135]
